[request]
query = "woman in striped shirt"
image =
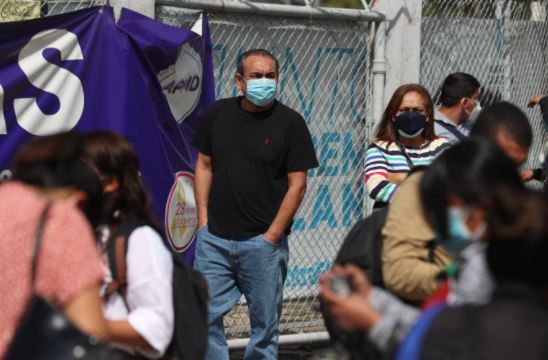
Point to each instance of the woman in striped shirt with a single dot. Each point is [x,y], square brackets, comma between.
[405,139]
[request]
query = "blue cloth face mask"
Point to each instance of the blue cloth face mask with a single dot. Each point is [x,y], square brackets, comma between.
[261,91]
[410,123]
[458,234]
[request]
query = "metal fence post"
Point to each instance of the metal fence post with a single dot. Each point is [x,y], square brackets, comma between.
[378,70]
[403,36]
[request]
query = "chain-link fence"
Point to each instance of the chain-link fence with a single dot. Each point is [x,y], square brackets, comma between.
[54,7]
[504,44]
[324,75]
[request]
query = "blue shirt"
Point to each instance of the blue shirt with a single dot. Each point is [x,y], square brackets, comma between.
[441,131]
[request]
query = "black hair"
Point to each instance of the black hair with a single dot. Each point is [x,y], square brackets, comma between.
[457,86]
[53,162]
[248,53]
[112,156]
[505,117]
[469,170]
[518,246]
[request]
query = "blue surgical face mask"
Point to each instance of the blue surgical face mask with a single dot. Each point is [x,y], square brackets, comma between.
[458,234]
[410,123]
[261,91]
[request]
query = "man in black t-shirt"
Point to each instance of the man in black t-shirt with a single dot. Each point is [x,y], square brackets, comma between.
[254,154]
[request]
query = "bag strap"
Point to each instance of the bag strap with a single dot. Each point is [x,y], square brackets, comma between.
[453,130]
[431,246]
[404,153]
[38,241]
[117,251]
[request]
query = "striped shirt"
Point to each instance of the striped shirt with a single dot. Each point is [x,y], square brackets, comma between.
[381,159]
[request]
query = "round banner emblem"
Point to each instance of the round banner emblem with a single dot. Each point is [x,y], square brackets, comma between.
[181,215]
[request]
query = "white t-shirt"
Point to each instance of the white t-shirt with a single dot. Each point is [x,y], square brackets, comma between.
[149,291]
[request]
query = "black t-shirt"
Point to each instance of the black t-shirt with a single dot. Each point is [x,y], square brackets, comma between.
[251,155]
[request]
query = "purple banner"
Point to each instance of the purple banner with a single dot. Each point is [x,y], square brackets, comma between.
[146,80]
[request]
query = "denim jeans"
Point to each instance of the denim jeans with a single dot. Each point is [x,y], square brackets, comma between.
[253,267]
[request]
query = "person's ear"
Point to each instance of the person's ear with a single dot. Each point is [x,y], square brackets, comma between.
[111,185]
[240,82]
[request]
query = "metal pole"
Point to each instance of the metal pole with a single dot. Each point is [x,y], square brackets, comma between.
[308,12]
[403,42]
[293,339]
[379,71]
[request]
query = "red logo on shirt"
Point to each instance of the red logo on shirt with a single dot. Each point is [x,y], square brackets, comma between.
[266,141]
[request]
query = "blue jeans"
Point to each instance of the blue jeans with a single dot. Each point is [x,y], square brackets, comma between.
[253,267]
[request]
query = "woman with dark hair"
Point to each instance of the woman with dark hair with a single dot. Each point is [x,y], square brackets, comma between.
[50,182]
[141,311]
[115,160]
[405,139]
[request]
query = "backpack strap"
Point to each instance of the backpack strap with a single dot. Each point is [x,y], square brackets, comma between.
[117,251]
[431,247]
[453,130]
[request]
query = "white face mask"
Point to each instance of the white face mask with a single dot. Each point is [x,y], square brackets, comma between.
[474,114]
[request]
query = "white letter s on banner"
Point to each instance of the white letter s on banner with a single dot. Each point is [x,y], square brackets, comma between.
[52,79]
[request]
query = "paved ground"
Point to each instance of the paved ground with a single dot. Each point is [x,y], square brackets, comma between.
[315,351]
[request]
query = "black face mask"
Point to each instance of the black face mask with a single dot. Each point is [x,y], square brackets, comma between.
[410,123]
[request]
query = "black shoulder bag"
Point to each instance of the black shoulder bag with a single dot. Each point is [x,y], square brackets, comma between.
[45,333]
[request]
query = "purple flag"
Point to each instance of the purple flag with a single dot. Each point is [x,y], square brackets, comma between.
[146,80]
